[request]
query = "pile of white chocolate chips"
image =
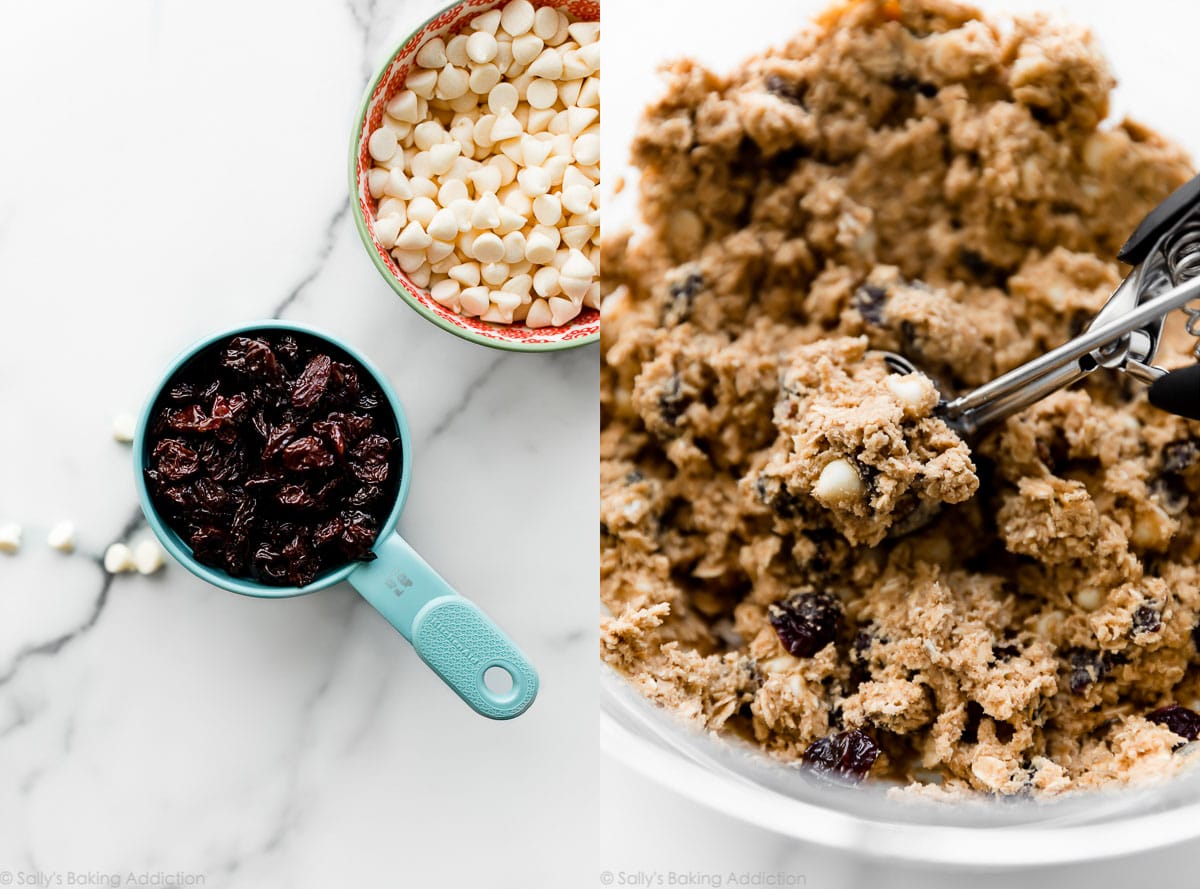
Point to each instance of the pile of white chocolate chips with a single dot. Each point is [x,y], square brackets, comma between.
[487,168]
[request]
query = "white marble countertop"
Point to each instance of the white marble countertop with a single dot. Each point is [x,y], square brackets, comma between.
[169,169]
[658,832]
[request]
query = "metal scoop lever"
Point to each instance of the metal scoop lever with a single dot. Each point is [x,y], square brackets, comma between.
[1125,334]
[1120,338]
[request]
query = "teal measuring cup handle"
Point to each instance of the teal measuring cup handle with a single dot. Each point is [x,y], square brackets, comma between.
[451,634]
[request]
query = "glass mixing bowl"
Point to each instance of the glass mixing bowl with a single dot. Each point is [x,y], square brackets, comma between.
[741,782]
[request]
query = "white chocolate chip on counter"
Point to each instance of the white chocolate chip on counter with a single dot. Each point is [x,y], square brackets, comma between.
[10,537]
[62,537]
[486,168]
[118,559]
[148,556]
[839,482]
[124,425]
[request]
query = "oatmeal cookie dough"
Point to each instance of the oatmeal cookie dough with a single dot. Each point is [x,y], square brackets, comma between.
[902,176]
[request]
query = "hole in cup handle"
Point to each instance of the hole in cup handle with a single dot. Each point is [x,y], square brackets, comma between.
[451,634]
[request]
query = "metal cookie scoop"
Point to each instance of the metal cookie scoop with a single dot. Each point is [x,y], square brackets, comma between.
[1124,336]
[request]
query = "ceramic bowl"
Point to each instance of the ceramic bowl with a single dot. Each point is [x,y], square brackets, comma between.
[583,329]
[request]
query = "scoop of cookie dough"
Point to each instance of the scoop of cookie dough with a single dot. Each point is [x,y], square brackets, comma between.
[858,448]
[911,176]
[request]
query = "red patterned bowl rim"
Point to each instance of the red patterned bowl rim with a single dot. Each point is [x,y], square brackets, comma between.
[584,329]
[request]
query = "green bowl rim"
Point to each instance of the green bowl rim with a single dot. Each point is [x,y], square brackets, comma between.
[364,235]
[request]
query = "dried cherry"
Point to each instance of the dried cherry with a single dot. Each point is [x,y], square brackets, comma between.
[275,457]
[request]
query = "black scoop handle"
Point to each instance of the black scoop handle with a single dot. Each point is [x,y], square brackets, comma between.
[1178,392]
[1158,220]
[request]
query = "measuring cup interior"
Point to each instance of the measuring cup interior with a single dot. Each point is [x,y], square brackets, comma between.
[178,547]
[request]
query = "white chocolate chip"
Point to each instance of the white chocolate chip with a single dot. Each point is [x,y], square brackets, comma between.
[510,220]
[562,310]
[446,292]
[541,93]
[124,427]
[483,78]
[574,66]
[587,149]
[539,314]
[839,482]
[589,93]
[485,167]
[494,273]
[503,98]
[453,83]
[382,144]
[584,33]
[575,288]
[548,65]
[475,300]
[62,537]
[481,47]
[910,389]
[466,273]
[397,185]
[1089,598]
[534,181]
[506,126]
[526,48]
[545,281]
[547,209]
[456,51]
[440,251]
[403,106]
[443,226]
[422,82]
[577,266]
[409,260]
[432,54]
[487,21]
[488,248]
[413,237]
[118,559]
[451,191]
[422,275]
[568,92]
[148,556]
[387,229]
[10,537]
[517,17]
[486,214]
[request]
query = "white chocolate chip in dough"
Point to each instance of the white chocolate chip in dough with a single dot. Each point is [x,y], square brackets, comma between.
[912,390]
[838,483]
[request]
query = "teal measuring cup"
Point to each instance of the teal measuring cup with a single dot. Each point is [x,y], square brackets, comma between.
[451,634]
